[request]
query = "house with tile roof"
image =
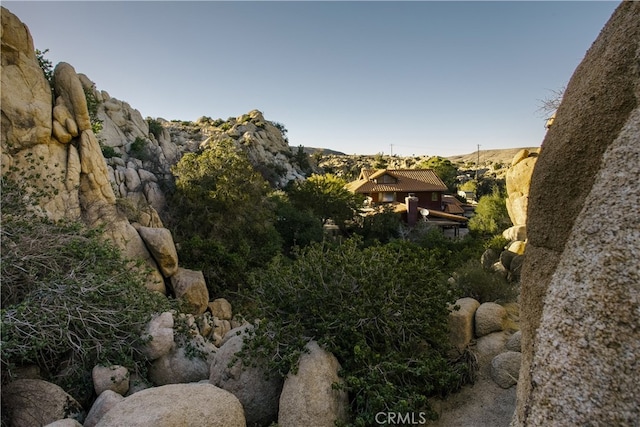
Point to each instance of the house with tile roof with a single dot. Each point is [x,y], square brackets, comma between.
[419,193]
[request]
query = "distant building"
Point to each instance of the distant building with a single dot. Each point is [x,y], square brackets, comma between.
[416,193]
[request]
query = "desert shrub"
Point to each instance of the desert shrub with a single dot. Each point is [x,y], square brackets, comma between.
[92,106]
[138,148]
[491,214]
[382,227]
[382,311]
[155,127]
[484,285]
[108,152]
[69,299]
[46,65]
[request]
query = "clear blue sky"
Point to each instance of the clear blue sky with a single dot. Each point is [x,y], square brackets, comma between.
[432,78]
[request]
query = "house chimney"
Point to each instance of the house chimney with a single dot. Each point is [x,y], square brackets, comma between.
[412,209]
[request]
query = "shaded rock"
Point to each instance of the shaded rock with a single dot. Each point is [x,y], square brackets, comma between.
[259,396]
[105,401]
[177,405]
[579,284]
[308,397]
[182,364]
[27,403]
[505,368]
[160,243]
[515,342]
[506,257]
[66,422]
[461,322]
[221,308]
[158,336]
[488,258]
[489,318]
[489,346]
[190,287]
[114,378]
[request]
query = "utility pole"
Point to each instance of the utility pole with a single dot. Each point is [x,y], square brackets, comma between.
[478,163]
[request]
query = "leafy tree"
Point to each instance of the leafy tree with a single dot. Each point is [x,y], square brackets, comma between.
[220,202]
[382,311]
[488,185]
[491,214]
[297,227]
[445,170]
[382,227]
[325,196]
[302,159]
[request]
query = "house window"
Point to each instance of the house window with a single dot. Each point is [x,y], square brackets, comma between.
[434,197]
[387,197]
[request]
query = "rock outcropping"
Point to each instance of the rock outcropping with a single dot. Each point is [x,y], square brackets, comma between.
[580,294]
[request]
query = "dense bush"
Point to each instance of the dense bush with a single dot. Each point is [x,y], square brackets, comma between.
[491,214]
[155,127]
[484,285]
[220,208]
[69,300]
[381,310]
[325,196]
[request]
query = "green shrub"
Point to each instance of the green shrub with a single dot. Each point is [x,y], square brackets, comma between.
[92,106]
[485,286]
[382,311]
[154,127]
[491,214]
[108,152]
[138,148]
[69,299]
[46,65]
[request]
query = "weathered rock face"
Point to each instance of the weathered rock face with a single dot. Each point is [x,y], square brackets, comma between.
[580,286]
[52,149]
[518,182]
[24,124]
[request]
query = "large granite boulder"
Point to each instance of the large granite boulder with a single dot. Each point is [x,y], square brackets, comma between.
[177,405]
[30,402]
[26,94]
[309,397]
[258,394]
[580,289]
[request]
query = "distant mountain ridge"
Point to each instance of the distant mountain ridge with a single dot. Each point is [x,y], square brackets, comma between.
[503,155]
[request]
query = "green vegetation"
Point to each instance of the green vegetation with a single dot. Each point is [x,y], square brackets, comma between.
[325,196]
[63,294]
[108,152]
[483,285]
[92,106]
[382,311]
[445,170]
[46,65]
[154,127]
[491,215]
[138,148]
[221,217]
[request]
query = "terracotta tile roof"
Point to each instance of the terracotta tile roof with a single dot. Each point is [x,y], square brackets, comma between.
[452,205]
[407,180]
